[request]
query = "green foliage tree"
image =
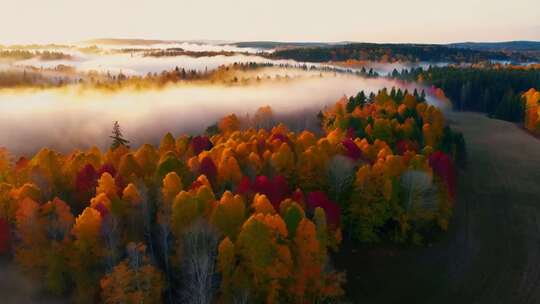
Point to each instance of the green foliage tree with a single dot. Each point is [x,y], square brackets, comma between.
[117,137]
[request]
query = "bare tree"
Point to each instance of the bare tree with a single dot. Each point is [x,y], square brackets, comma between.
[340,176]
[110,232]
[163,221]
[242,297]
[147,217]
[419,191]
[200,243]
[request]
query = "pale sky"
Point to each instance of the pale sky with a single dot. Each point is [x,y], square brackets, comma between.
[433,21]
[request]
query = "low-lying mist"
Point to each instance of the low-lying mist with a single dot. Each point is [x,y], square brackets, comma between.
[196,46]
[70,118]
[137,64]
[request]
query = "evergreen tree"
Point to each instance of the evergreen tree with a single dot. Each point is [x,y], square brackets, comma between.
[118,138]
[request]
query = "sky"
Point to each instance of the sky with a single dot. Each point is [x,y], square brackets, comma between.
[420,21]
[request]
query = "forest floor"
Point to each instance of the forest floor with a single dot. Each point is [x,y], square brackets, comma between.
[492,251]
[18,288]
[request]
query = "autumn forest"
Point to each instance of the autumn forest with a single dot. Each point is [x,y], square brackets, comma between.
[262,170]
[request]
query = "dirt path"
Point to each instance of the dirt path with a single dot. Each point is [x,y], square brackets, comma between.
[492,251]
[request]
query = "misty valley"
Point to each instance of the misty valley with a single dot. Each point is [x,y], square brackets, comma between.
[168,171]
[75,100]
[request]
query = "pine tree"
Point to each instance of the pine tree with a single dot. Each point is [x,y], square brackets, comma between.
[118,138]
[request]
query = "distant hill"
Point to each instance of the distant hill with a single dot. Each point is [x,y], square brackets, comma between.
[520,51]
[278,44]
[127,41]
[397,52]
[516,46]
[242,44]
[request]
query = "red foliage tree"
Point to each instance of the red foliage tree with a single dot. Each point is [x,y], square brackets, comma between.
[351,149]
[276,189]
[443,166]
[280,137]
[5,236]
[319,199]
[244,186]
[109,168]
[200,143]
[86,179]
[404,145]
[209,169]
[85,184]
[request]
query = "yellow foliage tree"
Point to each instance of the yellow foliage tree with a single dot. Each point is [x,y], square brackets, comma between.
[261,204]
[86,258]
[229,214]
[229,124]
[107,185]
[134,280]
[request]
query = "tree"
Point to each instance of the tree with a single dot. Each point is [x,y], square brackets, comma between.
[229,214]
[226,266]
[261,204]
[30,251]
[283,160]
[309,258]
[229,124]
[117,137]
[258,263]
[147,157]
[311,167]
[293,215]
[5,236]
[229,170]
[185,210]
[129,169]
[86,258]
[85,185]
[172,185]
[134,204]
[511,108]
[199,256]
[167,144]
[263,118]
[57,220]
[107,185]
[134,280]
[532,110]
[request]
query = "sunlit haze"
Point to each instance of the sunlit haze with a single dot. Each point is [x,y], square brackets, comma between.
[286,151]
[302,20]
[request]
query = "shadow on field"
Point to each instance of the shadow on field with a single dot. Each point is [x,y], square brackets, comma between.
[492,251]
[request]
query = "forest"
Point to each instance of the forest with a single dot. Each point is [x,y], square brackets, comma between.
[228,74]
[181,52]
[19,54]
[494,90]
[255,152]
[248,212]
[397,52]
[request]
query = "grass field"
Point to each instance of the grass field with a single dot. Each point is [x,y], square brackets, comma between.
[492,251]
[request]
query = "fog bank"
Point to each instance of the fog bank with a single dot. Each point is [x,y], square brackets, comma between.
[69,118]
